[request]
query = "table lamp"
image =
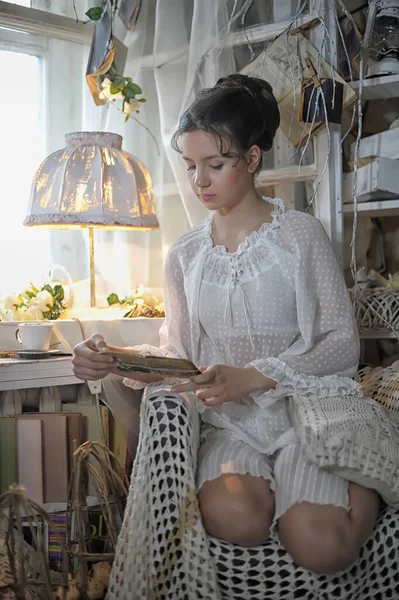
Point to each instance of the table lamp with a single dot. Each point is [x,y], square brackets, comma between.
[92,183]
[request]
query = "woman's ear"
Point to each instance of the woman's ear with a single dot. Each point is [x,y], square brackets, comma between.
[254,156]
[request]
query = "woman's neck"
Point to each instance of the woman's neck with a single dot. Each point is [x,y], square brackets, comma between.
[233,224]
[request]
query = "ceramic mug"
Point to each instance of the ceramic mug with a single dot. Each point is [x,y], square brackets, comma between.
[34,336]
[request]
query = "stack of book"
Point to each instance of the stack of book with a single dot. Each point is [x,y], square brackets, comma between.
[36,449]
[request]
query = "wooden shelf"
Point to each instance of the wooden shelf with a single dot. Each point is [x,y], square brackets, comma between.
[377,334]
[378,88]
[377,208]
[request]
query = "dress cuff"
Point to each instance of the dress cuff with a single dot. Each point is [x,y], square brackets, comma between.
[290,382]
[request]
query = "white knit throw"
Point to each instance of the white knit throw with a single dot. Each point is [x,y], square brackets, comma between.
[163,552]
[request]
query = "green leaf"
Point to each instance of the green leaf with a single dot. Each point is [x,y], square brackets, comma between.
[113,299]
[132,89]
[127,118]
[117,85]
[34,288]
[59,292]
[30,294]
[94,13]
[141,100]
[48,288]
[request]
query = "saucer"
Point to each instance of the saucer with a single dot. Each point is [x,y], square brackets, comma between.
[38,354]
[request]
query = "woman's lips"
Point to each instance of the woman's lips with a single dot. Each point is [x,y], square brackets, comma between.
[206,197]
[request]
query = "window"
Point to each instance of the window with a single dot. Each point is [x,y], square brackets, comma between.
[23,251]
[42,84]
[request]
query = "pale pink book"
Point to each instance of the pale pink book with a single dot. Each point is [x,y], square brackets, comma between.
[30,457]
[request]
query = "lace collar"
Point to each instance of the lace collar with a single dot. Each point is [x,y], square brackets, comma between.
[252,238]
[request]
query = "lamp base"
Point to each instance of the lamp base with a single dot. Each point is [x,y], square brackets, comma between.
[92,268]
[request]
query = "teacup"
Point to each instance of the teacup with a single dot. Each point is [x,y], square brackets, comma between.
[34,336]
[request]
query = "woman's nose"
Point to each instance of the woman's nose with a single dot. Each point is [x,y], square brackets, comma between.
[201,180]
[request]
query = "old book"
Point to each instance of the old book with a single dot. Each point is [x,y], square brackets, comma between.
[55,455]
[130,360]
[8,453]
[30,458]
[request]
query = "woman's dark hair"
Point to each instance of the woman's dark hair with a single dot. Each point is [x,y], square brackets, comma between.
[239,109]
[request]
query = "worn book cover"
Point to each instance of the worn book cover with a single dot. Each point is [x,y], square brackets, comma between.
[131,360]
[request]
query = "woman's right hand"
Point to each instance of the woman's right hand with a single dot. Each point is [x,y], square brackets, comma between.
[91,364]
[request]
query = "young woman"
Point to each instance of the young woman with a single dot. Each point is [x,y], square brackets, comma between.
[255,295]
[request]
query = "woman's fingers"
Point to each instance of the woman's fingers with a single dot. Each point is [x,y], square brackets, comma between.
[208,374]
[185,387]
[207,394]
[96,342]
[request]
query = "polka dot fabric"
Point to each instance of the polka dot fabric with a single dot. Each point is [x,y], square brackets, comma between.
[279,303]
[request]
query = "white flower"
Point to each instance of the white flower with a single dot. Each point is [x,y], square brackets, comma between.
[11,302]
[20,314]
[27,293]
[33,313]
[149,299]
[131,106]
[43,301]
[106,94]
[106,83]
[6,315]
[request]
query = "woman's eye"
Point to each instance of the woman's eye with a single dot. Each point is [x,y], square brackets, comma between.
[190,167]
[216,167]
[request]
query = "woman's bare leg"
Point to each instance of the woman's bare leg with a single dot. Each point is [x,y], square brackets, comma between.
[237,508]
[326,539]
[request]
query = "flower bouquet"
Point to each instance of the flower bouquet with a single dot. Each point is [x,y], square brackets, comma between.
[34,304]
[142,302]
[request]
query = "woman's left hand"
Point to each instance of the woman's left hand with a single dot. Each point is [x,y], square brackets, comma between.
[220,383]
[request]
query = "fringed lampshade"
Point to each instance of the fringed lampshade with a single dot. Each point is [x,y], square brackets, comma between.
[92,183]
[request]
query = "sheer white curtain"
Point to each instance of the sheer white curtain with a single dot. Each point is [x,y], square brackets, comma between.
[176,48]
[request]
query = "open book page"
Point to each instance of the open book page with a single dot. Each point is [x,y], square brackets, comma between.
[131,360]
[283,65]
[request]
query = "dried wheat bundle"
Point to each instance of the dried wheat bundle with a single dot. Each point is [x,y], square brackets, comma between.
[16,509]
[95,463]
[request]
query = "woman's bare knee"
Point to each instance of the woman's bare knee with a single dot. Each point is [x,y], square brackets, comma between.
[237,508]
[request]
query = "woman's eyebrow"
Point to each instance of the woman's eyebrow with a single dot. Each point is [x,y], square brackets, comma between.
[205,158]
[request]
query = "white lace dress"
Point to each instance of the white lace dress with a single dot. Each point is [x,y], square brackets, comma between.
[279,303]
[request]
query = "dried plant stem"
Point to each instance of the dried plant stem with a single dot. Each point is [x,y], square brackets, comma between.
[14,507]
[95,463]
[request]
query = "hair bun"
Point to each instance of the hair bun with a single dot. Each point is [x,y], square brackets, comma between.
[254,85]
[265,104]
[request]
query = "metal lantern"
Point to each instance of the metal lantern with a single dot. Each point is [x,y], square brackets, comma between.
[382,37]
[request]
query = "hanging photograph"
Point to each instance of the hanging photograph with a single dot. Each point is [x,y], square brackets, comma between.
[129,12]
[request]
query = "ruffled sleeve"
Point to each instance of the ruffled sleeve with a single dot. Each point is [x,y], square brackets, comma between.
[325,354]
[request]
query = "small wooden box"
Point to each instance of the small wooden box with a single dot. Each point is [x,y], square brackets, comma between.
[379,180]
[383,145]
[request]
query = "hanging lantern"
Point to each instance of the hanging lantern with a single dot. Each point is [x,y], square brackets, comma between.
[382,37]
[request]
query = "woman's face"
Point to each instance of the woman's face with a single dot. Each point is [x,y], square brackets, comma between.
[220,182]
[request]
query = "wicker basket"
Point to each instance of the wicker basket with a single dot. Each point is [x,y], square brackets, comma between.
[377,308]
[381,384]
